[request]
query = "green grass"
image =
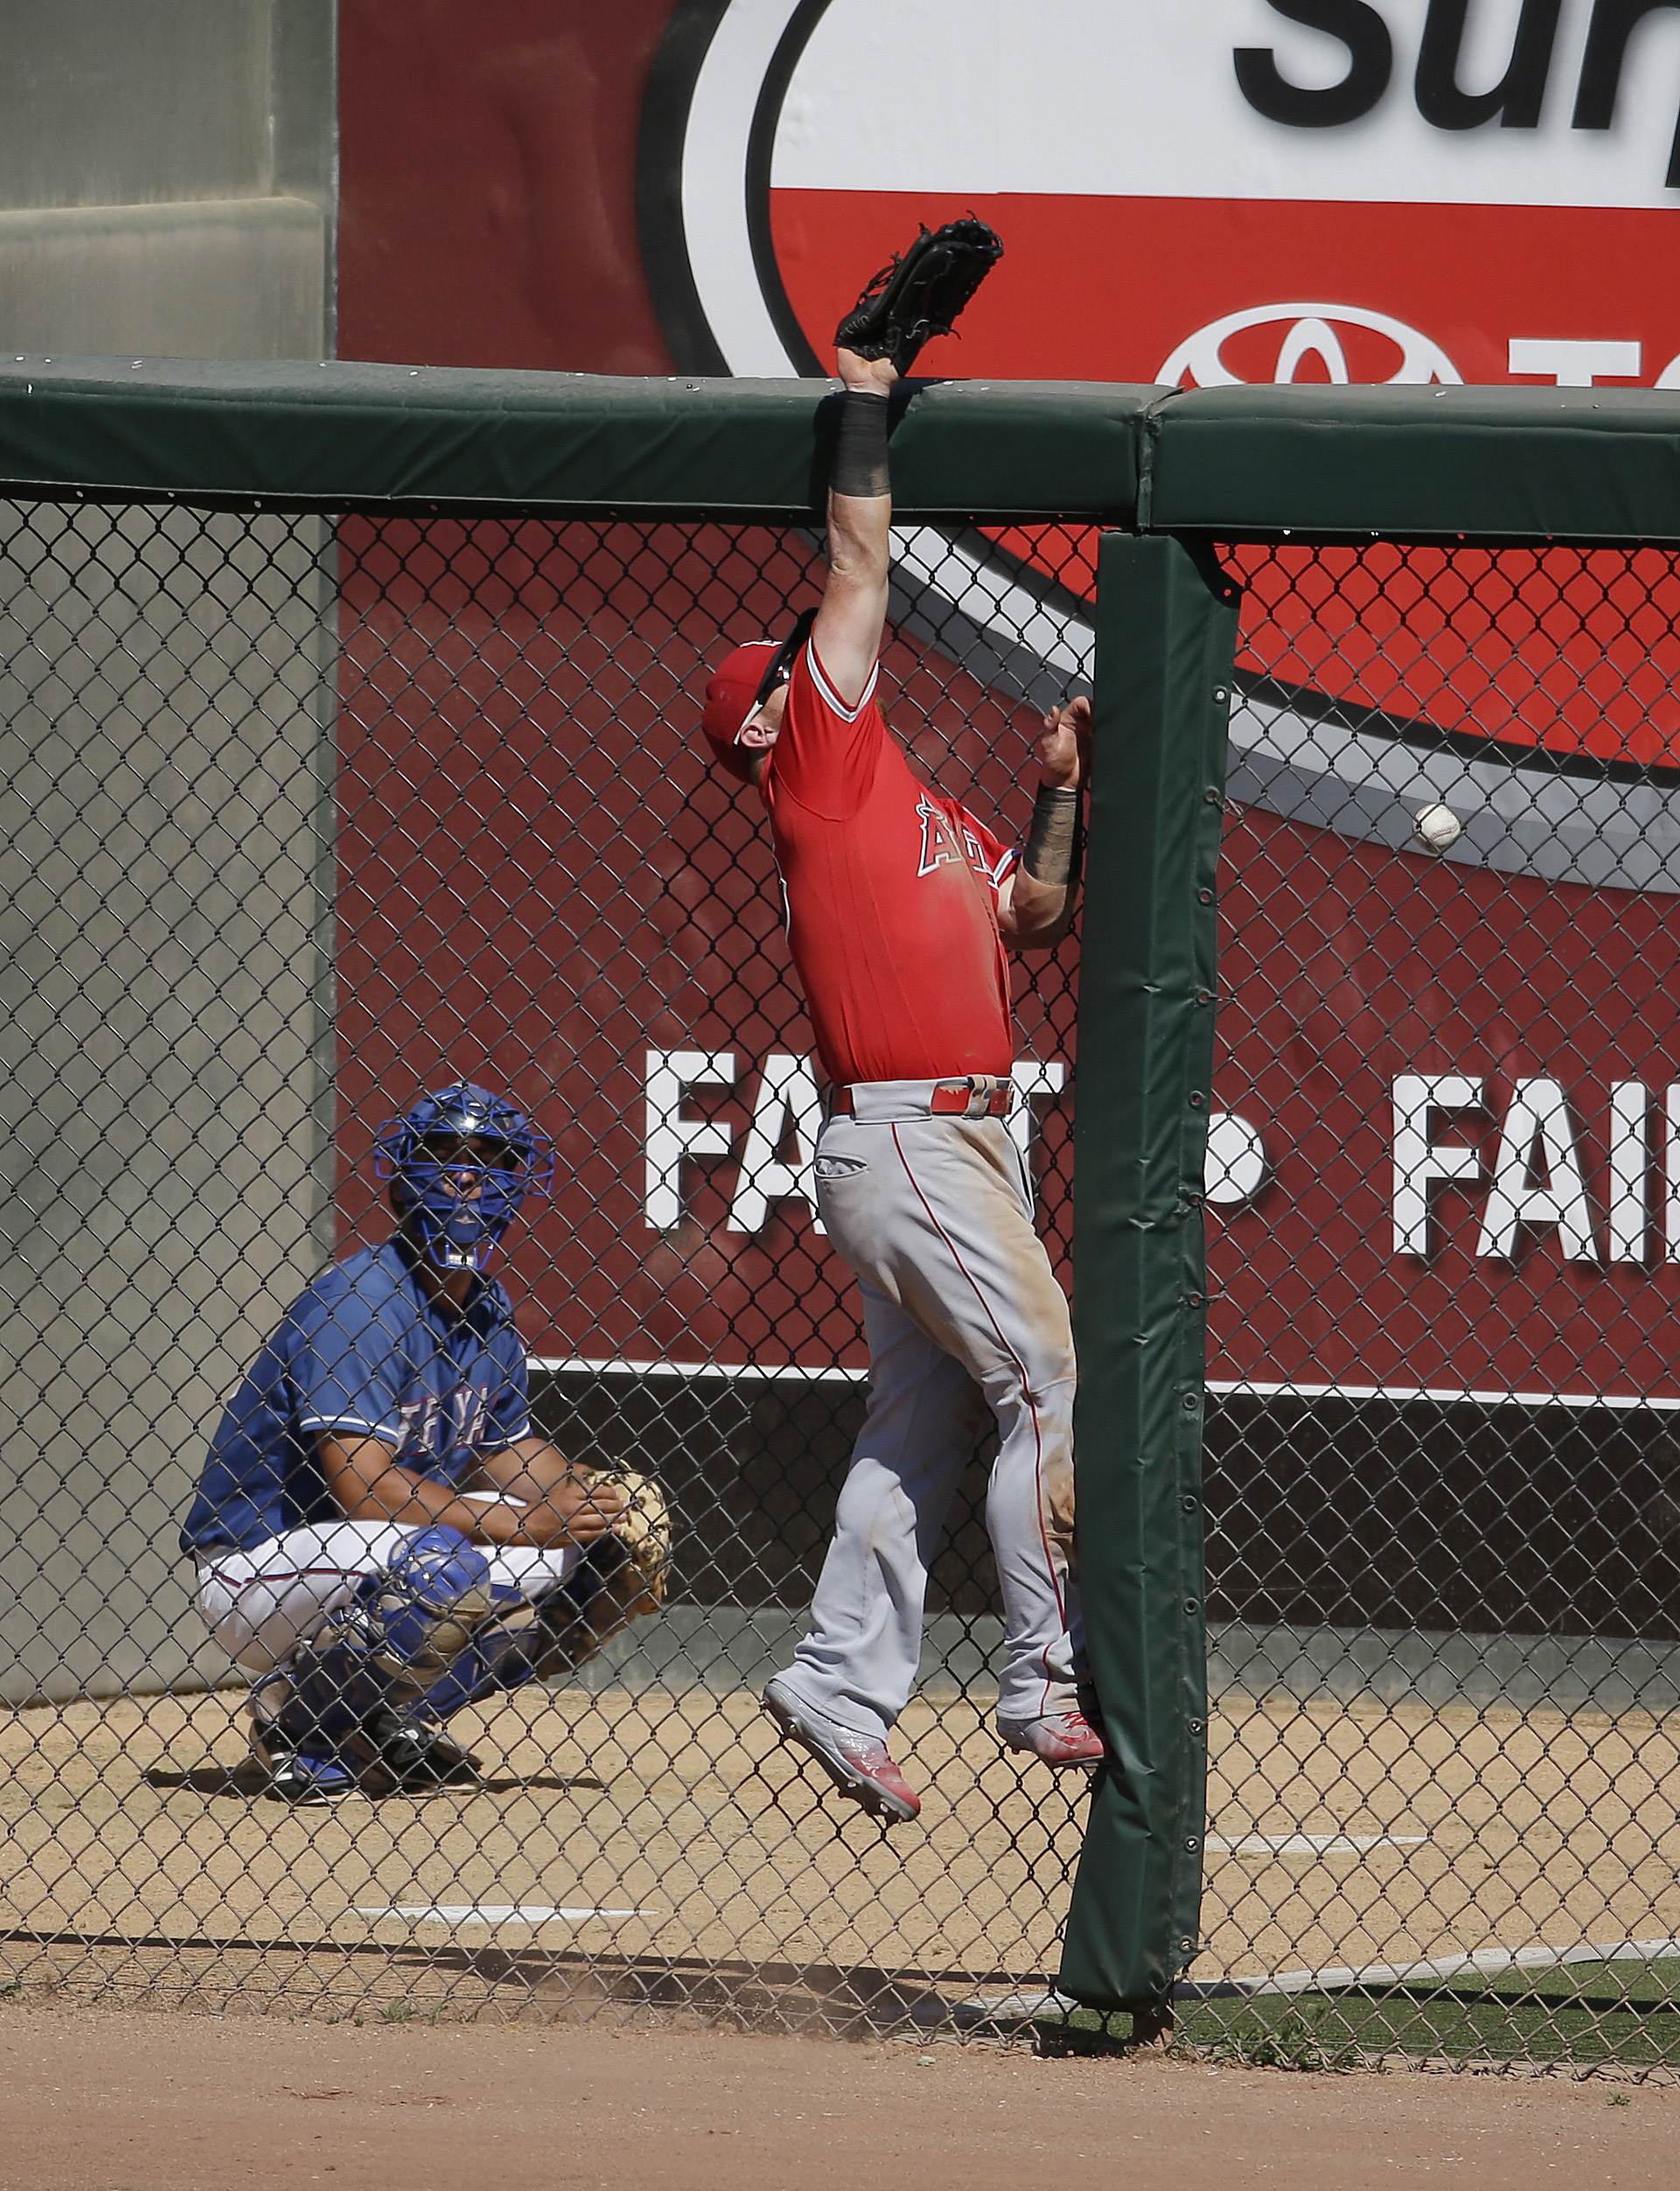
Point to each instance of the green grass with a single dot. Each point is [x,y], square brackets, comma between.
[1583,2014]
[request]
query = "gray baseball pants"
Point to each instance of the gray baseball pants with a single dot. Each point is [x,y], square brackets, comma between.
[963,1315]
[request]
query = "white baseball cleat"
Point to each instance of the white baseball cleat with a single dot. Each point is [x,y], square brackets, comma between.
[1067,1738]
[858,1765]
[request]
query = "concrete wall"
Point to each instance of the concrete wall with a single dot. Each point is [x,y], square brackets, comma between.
[166,180]
[726,1647]
[167,176]
[163,1044]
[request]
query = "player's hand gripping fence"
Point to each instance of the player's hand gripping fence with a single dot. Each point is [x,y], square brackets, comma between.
[312,802]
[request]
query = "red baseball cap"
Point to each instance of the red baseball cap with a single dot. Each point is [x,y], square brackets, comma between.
[732,689]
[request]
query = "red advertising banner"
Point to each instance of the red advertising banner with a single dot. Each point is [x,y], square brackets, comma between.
[1447,1156]
[543,885]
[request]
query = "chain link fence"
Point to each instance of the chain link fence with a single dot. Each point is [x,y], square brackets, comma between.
[308,816]
[1442,1249]
[305,814]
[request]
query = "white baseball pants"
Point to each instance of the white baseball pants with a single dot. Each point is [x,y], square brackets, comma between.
[963,1313]
[261,1605]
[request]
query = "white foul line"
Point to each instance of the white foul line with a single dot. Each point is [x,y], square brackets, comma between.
[1024,2007]
[1483,1962]
[496,1913]
[1310,1844]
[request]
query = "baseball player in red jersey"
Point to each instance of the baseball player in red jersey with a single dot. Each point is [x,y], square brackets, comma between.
[899,906]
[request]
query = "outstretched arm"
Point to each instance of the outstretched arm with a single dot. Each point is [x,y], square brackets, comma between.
[1036,904]
[854,612]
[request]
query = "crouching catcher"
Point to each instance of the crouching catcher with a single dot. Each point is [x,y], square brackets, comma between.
[381,1538]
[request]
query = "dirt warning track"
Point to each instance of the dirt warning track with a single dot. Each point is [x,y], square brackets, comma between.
[90,2099]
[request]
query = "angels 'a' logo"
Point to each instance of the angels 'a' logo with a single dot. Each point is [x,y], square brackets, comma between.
[939,846]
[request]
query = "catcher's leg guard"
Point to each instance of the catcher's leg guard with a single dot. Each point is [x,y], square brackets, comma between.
[335,1683]
[531,1641]
[426,1605]
[408,1623]
[497,1658]
[267,1700]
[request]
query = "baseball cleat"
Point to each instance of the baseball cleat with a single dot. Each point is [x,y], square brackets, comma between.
[307,1773]
[1067,1739]
[311,1776]
[414,1755]
[858,1765]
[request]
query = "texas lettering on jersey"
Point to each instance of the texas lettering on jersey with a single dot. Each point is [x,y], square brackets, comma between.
[467,1410]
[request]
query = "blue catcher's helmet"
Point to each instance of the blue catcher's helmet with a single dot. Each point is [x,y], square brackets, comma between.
[457,1230]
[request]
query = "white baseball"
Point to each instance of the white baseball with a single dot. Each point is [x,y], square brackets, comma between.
[1437,828]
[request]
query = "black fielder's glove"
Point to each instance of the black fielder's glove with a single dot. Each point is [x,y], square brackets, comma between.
[921,293]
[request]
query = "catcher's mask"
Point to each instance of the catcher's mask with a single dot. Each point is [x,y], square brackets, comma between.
[745,679]
[460,1163]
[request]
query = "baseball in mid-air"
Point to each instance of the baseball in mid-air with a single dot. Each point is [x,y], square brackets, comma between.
[1437,828]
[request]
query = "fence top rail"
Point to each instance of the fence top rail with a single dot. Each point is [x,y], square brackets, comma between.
[1492,463]
[326,433]
[1505,463]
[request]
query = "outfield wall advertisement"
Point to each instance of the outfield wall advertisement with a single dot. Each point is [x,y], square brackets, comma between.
[1447,1152]
[1238,190]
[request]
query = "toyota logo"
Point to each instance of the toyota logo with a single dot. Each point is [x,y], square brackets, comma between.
[1309,331]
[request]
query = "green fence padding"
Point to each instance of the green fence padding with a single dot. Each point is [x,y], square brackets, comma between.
[1166,636]
[336,433]
[1580,463]
[1511,463]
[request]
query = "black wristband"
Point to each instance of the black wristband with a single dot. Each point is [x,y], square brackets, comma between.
[860,450]
[1055,842]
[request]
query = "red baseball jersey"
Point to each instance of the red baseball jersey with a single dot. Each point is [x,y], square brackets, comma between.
[892,898]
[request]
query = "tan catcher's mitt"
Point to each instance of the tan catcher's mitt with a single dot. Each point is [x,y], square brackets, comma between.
[640,1583]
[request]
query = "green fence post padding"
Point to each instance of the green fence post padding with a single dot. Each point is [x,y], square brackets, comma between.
[1166,636]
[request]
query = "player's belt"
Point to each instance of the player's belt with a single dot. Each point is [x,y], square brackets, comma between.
[973,1096]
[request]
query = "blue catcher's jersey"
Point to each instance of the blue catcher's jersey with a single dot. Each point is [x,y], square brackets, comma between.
[365,1350]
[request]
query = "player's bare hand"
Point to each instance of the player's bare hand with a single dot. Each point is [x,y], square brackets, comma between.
[869,376]
[1064,748]
[587,1507]
[577,1510]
